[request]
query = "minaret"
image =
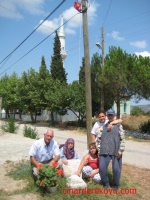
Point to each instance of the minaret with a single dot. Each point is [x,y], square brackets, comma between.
[62,40]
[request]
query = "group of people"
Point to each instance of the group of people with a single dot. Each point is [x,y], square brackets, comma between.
[108,143]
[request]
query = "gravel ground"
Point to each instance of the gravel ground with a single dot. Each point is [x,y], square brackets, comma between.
[15,146]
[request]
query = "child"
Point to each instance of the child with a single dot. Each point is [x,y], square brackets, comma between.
[89,165]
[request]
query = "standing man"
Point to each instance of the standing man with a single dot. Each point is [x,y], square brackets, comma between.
[44,150]
[112,145]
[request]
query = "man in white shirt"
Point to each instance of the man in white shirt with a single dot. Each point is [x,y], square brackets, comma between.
[44,150]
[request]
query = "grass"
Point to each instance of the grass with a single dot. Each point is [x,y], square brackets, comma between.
[133,122]
[22,171]
[3,195]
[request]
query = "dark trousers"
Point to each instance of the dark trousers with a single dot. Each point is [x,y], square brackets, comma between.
[104,161]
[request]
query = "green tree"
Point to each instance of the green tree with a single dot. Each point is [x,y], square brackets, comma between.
[82,73]
[56,68]
[136,111]
[30,95]
[8,88]
[77,100]
[119,75]
[57,97]
[95,83]
[43,83]
[142,74]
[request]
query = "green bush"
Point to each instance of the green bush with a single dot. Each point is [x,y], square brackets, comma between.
[30,132]
[148,113]
[145,127]
[136,111]
[9,126]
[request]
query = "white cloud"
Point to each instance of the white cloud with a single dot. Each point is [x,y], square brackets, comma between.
[92,9]
[139,44]
[144,54]
[115,36]
[48,26]
[13,8]
[74,17]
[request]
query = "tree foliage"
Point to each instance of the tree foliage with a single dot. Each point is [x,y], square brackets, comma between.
[77,99]
[136,111]
[118,81]
[57,70]
[43,83]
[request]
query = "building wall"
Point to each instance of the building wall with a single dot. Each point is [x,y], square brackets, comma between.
[45,116]
[124,107]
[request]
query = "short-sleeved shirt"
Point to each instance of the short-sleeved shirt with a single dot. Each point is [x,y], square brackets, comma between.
[97,125]
[63,157]
[42,152]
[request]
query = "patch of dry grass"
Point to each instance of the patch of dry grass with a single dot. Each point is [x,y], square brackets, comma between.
[133,122]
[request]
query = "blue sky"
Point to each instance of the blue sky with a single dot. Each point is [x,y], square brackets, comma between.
[126,24]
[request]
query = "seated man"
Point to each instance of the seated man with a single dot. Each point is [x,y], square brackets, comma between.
[44,150]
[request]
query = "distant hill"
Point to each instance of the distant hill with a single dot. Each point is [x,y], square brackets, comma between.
[145,108]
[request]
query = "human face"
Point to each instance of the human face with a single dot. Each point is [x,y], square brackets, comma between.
[102,117]
[92,150]
[48,136]
[70,145]
[110,117]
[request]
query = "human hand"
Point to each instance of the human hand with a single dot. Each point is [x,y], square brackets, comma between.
[53,163]
[65,162]
[118,155]
[91,175]
[77,173]
[109,127]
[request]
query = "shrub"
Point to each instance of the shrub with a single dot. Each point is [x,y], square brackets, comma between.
[136,111]
[148,113]
[9,126]
[145,127]
[30,132]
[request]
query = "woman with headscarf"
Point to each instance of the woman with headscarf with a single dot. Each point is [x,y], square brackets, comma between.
[67,151]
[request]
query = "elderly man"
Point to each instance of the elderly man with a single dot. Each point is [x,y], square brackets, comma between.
[112,145]
[44,150]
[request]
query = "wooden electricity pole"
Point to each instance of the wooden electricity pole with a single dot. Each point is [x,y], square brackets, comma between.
[87,73]
[102,87]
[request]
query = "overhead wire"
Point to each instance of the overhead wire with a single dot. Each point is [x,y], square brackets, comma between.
[29,19]
[122,28]
[32,32]
[107,12]
[38,44]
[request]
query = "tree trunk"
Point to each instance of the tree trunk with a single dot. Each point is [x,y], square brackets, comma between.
[118,109]
[7,114]
[35,117]
[20,116]
[14,114]
[52,118]
[31,114]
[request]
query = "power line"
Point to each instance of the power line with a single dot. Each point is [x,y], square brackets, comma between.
[15,13]
[38,44]
[107,12]
[32,32]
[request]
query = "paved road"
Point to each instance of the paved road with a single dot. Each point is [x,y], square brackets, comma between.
[15,146]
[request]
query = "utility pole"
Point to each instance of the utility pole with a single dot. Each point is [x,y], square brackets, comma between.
[101,46]
[87,73]
[102,88]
